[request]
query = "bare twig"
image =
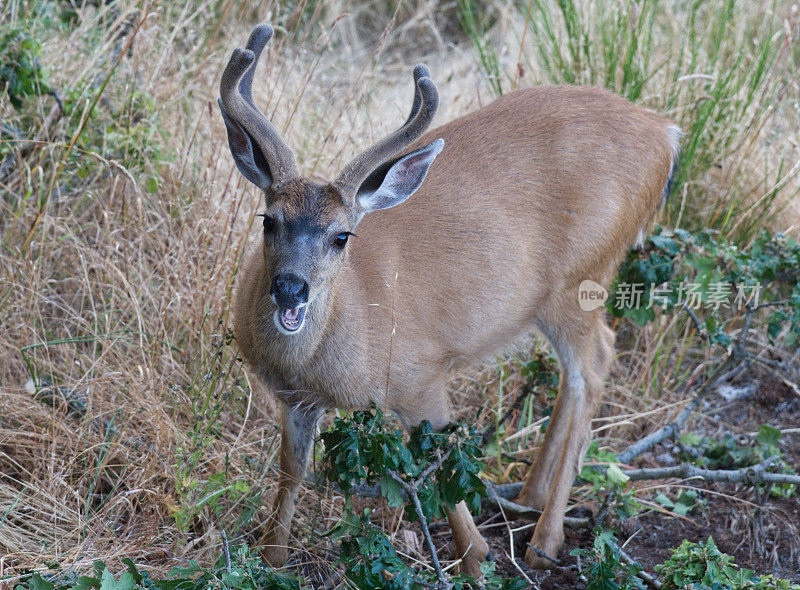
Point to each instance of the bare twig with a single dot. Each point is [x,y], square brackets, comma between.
[227,551]
[411,490]
[374,491]
[544,555]
[701,329]
[649,579]
[433,466]
[739,348]
[771,304]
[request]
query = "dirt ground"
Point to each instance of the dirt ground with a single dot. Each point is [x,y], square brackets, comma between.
[763,538]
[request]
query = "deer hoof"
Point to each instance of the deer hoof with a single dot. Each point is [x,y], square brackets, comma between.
[275,556]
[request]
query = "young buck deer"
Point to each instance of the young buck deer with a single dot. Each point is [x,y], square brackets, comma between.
[531,195]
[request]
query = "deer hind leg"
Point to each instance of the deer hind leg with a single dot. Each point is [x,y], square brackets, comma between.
[471,548]
[585,348]
[298,426]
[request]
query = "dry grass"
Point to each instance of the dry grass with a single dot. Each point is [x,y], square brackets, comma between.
[118,263]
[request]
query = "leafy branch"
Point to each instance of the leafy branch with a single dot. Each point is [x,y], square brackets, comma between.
[425,473]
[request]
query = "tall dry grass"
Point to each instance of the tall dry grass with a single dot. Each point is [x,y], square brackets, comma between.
[127,424]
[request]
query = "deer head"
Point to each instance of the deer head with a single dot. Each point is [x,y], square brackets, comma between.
[307,225]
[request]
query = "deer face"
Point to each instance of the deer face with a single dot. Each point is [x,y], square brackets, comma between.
[307,226]
[306,230]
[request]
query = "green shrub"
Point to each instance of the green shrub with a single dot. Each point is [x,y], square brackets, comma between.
[604,566]
[703,565]
[439,468]
[714,278]
[21,75]
[245,571]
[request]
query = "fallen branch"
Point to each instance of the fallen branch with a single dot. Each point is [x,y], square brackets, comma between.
[754,475]
[498,496]
[504,490]
[738,355]
[672,429]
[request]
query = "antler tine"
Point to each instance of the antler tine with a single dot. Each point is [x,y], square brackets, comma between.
[421,116]
[256,43]
[420,71]
[237,99]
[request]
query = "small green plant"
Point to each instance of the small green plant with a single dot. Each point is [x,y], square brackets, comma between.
[609,484]
[684,503]
[365,448]
[703,565]
[692,566]
[604,566]
[367,554]
[714,279]
[99,122]
[199,489]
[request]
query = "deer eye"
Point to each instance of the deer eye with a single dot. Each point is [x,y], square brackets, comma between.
[340,240]
[269,222]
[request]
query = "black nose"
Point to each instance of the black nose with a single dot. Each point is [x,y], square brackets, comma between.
[289,290]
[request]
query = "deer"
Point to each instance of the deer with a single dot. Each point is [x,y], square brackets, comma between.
[362,296]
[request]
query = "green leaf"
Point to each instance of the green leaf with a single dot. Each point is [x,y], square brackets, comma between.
[665,501]
[392,491]
[690,439]
[125,581]
[615,475]
[769,436]
[37,583]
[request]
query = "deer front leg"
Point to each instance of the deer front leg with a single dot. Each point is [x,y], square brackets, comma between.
[471,547]
[298,426]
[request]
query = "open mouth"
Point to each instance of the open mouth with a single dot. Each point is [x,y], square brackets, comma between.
[291,318]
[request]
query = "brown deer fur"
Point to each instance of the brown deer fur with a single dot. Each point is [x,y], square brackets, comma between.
[533,194]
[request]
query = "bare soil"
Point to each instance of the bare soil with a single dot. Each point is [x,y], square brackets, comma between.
[761,533]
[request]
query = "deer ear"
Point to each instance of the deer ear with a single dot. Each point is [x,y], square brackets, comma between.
[248,157]
[395,181]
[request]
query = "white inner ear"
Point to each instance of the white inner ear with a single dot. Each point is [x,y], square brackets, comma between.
[402,180]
